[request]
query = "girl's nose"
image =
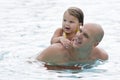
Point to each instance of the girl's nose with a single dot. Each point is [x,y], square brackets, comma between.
[67,23]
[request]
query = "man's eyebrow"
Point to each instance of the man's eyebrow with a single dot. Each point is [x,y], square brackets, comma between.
[84,33]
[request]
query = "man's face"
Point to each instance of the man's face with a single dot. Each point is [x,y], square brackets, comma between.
[84,38]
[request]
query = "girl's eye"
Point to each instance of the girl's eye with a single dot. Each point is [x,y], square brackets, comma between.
[64,20]
[71,22]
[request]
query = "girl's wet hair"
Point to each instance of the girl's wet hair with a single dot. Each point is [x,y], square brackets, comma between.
[76,12]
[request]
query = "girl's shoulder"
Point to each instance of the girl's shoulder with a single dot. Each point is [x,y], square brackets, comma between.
[59,30]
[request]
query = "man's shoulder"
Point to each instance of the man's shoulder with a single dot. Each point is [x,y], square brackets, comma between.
[56,46]
[100,53]
[54,54]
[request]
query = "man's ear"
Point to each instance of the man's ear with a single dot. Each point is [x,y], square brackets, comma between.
[96,44]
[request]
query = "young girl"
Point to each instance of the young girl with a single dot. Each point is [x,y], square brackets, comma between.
[72,20]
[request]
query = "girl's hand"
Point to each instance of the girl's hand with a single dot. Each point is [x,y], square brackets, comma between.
[65,42]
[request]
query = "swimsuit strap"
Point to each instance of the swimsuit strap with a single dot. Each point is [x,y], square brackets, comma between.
[64,35]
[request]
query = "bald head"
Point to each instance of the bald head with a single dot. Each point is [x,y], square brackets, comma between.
[96,29]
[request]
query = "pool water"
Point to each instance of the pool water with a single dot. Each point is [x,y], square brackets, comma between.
[26,27]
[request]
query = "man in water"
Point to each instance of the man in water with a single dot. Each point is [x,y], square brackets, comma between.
[83,49]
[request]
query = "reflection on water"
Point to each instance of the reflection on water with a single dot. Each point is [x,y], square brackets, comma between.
[26,27]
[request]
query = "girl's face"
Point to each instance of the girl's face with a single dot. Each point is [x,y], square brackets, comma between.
[70,23]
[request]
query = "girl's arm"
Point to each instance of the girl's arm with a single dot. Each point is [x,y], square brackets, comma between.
[56,36]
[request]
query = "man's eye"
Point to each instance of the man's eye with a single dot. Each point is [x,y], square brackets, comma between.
[86,35]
